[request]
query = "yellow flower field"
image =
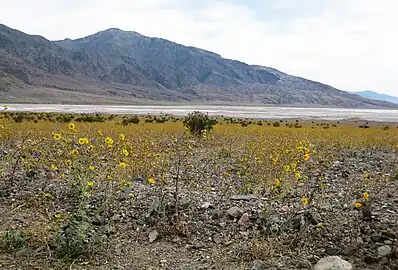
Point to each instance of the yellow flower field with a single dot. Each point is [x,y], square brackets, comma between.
[64,170]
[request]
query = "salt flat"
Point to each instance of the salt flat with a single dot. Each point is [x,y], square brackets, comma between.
[232,111]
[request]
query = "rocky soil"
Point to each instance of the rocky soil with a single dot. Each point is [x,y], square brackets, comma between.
[220,229]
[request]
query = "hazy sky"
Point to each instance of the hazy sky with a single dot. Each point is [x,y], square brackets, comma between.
[349,44]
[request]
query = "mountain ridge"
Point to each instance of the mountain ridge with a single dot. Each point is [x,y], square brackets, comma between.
[377,96]
[126,65]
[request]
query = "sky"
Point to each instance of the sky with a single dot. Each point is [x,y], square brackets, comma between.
[349,44]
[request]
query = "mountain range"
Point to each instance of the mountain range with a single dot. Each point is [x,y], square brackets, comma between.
[115,66]
[377,96]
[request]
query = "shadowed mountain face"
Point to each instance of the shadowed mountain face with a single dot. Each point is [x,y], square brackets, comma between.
[127,66]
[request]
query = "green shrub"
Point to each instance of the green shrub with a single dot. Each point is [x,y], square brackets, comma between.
[197,123]
[14,240]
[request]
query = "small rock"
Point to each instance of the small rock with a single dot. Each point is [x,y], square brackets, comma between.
[206,205]
[244,221]
[242,197]
[235,212]
[384,261]
[298,222]
[176,239]
[258,265]
[387,242]
[127,190]
[315,218]
[304,265]
[333,263]
[216,214]
[216,238]
[138,179]
[369,259]
[332,251]
[375,237]
[348,251]
[245,234]
[154,207]
[360,241]
[197,245]
[384,251]
[4,193]
[118,250]
[153,235]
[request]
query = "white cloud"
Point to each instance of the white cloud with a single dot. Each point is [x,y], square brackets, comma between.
[350,44]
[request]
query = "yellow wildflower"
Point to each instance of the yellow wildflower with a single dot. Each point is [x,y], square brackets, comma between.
[277,183]
[71,126]
[297,176]
[304,201]
[90,184]
[366,196]
[108,141]
[125,152]
[152,181]
[53,167]
[81,141]
[306,157]
[286,168]
[122,165]
[91,168]
[357,205]
[57,136]
[86,141]
[74,152]
[122,137]
[294,166]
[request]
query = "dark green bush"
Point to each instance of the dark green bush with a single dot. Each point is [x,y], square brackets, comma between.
[197,123]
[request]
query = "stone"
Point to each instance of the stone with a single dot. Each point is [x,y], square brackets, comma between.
[206,205]
[242,198]
[153,235]
[244,221]
[176,239]
[235,212]
[333,263]
[197,245]
[384,261]
[258,265]
[359,241]
[315,218]
[332,251]
[384,251]
[305,264]
[216,238]
[369,259]
[298,222]
[375,237]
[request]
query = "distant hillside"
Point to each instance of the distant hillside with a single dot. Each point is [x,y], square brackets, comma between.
[377,96]
[123,66]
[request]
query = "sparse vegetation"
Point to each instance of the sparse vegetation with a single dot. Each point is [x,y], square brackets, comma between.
[72,185]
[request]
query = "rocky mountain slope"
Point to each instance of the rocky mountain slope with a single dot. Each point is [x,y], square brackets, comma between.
[128,67]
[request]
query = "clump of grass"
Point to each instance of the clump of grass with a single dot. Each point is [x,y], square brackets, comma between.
[14,240]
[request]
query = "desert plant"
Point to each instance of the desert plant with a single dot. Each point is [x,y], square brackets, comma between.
[14,240]
[198,122]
